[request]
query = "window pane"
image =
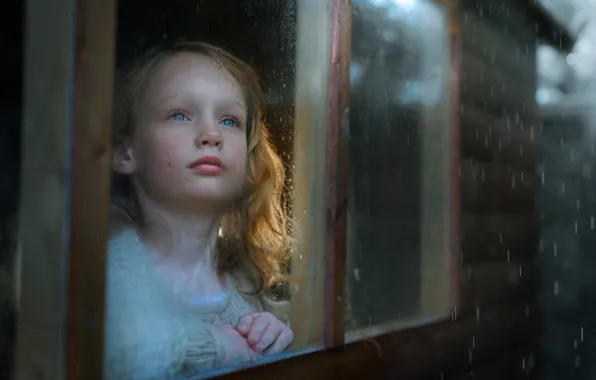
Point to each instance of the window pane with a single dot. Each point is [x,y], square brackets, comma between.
[205,229]
[400,165]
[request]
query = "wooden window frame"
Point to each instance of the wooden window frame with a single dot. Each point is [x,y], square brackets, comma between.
[68,342]
[69,71]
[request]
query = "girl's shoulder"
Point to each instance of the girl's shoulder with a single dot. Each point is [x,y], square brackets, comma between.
[246,281]
[124,243]
[126,257]
[244,278]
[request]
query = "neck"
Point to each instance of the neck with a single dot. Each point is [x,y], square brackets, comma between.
[182,238]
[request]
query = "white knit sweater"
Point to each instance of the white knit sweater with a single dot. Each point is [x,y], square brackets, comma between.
[151,335]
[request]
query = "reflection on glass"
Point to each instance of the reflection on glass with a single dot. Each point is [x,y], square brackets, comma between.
[199,251]
[398,253]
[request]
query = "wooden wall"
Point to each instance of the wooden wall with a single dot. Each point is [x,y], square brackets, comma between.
[500,135]
[568,241]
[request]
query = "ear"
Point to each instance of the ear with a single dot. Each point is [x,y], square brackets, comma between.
[123,160]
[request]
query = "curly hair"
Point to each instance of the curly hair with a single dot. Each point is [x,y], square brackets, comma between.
[255,230]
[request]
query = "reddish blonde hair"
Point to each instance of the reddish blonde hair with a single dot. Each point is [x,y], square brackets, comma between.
[255,230]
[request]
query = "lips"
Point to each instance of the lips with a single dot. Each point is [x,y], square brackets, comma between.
[207,165]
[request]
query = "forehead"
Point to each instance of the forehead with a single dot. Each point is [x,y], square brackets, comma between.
[194,72]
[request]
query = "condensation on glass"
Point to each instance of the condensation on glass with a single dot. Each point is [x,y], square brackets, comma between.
[286,41]
[400,166]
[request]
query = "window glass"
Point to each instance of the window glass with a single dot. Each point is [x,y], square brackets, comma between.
[217,220]
[400,166]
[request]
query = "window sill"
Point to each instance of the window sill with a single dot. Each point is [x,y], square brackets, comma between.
[261,361]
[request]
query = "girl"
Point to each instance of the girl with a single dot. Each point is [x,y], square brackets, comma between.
[198,234]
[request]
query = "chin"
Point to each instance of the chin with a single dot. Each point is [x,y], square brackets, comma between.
[214,194]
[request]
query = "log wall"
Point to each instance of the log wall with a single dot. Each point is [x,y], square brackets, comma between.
[500,135]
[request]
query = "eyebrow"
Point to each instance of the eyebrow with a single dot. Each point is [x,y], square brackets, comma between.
[236,103]
[227,100]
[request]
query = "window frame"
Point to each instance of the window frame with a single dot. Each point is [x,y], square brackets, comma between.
[85,71]
[310,178]
[63,232]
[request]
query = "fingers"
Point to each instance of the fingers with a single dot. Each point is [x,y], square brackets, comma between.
[245,323]
[269,336]
[281,343]
[265,333]
[258,328]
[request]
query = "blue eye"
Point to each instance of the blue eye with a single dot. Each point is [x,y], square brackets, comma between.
[179,116]
[229,123]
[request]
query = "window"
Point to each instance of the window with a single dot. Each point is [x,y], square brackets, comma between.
[369,189]
[400,205]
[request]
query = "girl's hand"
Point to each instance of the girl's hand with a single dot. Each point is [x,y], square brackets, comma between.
[235,346]
[265,333]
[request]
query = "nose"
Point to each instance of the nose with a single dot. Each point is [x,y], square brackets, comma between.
[209,136]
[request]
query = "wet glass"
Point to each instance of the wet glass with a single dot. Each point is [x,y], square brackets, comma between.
[400,166]
[286,42]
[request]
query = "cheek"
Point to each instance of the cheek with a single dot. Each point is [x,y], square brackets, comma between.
[161,152]
[239,159]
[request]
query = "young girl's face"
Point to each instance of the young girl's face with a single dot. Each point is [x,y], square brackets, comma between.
[189,146]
